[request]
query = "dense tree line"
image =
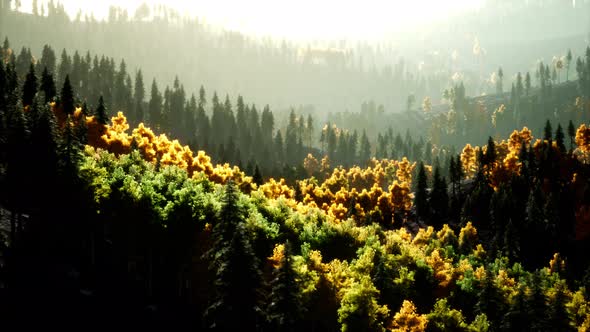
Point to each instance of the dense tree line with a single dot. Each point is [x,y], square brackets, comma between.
[316,71]
[110,226]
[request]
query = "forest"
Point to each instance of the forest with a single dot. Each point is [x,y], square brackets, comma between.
[130,201]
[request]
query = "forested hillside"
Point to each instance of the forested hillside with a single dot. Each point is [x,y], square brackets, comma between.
[134,198]
[125,219]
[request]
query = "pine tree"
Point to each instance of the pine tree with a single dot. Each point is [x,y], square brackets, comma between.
[548,132]
[309,128]
[536,305]
[286,308]
[70,148]
[48,60]
[490,301]
[17,165]
[490,154]
[101,112]
[279,148]
[48,85]
[257,178]
[421,197]
[235,306]
[155,106]
[560,139]
[30,87]
[365,152]
[558,317]
[139,96]
[516,318]
[527,84]
[439,198]
[67,97]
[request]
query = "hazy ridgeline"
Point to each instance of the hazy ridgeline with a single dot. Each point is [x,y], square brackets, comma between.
[331,76]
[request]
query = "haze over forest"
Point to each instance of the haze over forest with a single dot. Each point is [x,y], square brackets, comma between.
[385,63]
[295,166]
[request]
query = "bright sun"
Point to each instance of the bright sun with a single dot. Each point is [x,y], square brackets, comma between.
[302,19]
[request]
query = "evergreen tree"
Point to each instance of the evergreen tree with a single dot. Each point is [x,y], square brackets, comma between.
[48,60]
[516,318]
[155,106]
[67,97]
[267,125]
[490,154]
[527,84]
[309,128]
[101,112]
[235,306]
[70,148]
[17,166]
[139,96]
[286,308]
[30,87]
[439,198]
[365,152]
[279,148]
[456,174]
[558,317]
[48,85]
[203,125]
[560,139]
[490,301]
[548,132]
[65,67]
[537,304]
[421,197]
[257,178]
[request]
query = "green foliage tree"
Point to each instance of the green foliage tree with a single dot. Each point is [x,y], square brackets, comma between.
[359,310]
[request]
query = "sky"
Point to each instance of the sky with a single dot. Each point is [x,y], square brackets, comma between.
[301,19]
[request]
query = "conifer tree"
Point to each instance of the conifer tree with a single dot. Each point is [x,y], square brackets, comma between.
[139,96]
[67,97]
[101,112]
[490,154]
[48,85]
[17,165]
[285,309]
[548,132]
[235,306]
[309,128]
[516,318]
[30,87]
[279,148]
[421,197]
[558,317]
[155,106]
[560,139]
[365,152]
[439,198]
[257,178]
[490,301]
[527,84]
[536,305]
